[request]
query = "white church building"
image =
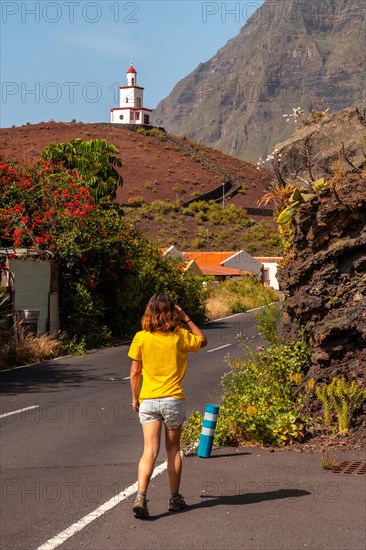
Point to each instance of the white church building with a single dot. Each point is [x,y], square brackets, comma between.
[131,100]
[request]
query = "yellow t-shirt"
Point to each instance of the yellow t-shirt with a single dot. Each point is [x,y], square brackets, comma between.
[164,361]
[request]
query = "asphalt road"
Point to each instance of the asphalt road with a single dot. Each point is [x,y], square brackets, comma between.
[76,442]
[69,468]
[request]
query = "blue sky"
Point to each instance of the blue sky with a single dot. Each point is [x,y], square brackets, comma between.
[64,59]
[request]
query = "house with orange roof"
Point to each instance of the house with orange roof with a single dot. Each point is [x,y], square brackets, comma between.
[231,264]
[223,265]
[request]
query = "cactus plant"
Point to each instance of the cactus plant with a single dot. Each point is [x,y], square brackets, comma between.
[325,398]
[343,398]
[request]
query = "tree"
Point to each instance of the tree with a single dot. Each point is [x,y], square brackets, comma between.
[94,160]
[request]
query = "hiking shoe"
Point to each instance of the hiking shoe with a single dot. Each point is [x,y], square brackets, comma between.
[140,508]
[177,503]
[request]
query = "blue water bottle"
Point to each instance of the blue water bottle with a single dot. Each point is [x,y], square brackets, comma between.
[208,431]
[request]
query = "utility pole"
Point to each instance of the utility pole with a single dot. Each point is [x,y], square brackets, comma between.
[223,195]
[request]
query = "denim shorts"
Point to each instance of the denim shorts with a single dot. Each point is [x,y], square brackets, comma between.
[170,410]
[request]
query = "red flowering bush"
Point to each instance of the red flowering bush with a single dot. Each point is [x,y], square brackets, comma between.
[108,270]
[37,204]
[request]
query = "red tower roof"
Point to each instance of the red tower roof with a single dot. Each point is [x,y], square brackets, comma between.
[131,70]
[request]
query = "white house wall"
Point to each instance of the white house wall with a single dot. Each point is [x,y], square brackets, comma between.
[272,270]
[243,261]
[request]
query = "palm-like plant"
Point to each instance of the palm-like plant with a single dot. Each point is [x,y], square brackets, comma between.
[95,161]
[277,194]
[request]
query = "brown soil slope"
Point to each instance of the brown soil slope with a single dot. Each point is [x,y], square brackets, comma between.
[152,168]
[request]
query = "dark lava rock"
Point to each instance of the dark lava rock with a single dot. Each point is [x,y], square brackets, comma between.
[326,277]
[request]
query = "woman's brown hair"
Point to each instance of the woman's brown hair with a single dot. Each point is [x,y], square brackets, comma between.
[160,314]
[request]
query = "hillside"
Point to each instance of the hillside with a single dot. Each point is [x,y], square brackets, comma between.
[161,167]
[307,53]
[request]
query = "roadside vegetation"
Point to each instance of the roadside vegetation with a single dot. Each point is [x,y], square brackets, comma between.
[266,396]
[24,349]
[258,403]
[237,296]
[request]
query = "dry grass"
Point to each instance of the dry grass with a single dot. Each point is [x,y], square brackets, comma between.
[217,307]
[28,349]
[238,296]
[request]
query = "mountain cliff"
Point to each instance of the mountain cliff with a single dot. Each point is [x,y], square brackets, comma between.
[307,53]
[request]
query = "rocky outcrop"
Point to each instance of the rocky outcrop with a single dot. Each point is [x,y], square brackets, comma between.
[326,279]
[317,147]
[299,53]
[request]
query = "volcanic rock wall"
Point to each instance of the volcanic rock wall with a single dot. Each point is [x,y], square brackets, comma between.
[326,279]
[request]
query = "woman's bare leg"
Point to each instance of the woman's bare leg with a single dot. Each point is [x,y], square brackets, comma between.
[172,444]
[152,432]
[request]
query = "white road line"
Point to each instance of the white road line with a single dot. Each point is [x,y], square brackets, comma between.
[126,378]
[224,318]
[83,522]
[215,349]
[20,411]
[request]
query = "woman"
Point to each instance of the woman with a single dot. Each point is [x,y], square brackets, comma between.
[159,353]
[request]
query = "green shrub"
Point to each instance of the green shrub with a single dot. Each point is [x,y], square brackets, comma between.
[72,346]
[137,201]
[85,316]
[269,323]
[163,207]
[153,132]
[258,404]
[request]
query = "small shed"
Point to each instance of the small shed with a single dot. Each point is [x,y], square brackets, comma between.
[31,279]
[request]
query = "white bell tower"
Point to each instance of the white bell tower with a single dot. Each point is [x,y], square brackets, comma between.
[131,101]
[131,76]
